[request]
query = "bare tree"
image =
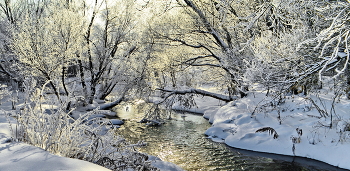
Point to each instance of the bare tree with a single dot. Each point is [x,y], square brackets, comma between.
[330,45]
[110,47]
[46,42]
[219,36]
[10,13]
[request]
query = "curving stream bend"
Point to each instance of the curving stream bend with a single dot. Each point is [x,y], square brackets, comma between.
[182,141]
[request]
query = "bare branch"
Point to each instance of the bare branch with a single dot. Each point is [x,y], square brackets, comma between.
[193,46]
[195,91]
[208,26]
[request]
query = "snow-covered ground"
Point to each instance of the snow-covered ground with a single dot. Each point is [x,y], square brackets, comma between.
[20,156]
[305,126]
[291,125]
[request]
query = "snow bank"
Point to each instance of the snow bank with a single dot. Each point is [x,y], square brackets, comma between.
[21,156]
[292,127]
[163,165]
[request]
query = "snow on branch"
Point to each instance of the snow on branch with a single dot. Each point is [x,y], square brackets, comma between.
[193,60]
[331,41]
[207,24]
[111,104]
[327,62]
[195,91]
[212,54]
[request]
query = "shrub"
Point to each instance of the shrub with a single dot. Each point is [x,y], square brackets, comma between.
[51,127]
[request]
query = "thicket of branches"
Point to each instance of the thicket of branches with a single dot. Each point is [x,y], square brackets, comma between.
[281,44]
[103,46]
[94,45]
[92,49]
[44,122]
[63,55]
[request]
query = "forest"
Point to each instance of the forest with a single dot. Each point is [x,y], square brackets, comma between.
[253,68]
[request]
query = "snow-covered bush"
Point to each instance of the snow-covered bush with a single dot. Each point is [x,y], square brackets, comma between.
[45,123]
[327,51]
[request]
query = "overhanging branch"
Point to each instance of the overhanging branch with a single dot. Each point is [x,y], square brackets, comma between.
[207,25]
[195,91]
[212,54]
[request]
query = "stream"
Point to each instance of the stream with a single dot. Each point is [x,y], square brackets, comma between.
[182,141]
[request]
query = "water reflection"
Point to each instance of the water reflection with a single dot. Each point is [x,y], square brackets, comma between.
[181,141]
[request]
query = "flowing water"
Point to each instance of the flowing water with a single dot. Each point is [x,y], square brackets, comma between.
[182,141]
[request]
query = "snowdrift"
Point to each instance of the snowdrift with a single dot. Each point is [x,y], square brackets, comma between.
[315,126]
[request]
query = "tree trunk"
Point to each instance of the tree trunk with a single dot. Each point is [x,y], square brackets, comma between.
[92,92]
[107,91]
[55,91]
[63,81]
[82,77]
[347,72]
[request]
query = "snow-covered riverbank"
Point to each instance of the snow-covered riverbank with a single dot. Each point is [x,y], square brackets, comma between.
[291,125]
[21,156]
[315,127]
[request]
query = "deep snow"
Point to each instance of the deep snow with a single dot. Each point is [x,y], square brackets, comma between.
[236,124]
[21,156]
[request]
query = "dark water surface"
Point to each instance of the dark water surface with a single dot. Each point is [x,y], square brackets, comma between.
[182,141]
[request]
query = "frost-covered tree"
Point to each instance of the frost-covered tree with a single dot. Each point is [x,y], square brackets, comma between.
[277,60]
[110,41]
[239,42]
[94,41]
[47,41]
[10,13]
[329,48]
